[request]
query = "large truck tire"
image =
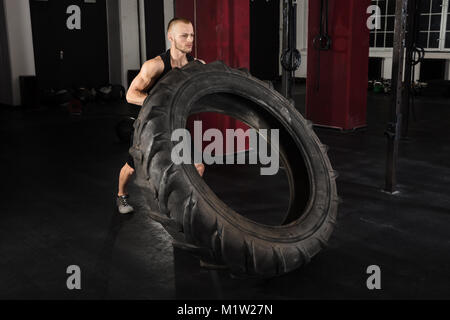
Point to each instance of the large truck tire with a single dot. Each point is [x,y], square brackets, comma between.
[191,212]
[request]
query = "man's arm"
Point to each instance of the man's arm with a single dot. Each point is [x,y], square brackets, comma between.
[144,81]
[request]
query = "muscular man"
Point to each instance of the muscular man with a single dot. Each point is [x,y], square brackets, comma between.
[180,33]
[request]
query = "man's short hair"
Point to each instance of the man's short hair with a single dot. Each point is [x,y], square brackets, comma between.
[176,20]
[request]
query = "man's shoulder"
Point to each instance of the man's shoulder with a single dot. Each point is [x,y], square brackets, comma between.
[155,65]
[156,61]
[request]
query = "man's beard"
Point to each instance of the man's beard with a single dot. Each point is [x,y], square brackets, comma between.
[184,50]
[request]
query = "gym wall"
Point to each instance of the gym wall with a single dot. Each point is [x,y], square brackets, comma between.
[5,74]
[129,38]
[169,12]
[114,45]
[154,28]
[17,50]
[20,44]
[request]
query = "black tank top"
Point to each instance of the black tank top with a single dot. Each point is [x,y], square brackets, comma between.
[167,65]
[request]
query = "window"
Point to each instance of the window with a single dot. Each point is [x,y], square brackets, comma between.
[384,37]
[430,23]
[434,25]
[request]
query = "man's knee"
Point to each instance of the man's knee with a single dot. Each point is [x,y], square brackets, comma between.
[200,168]
[128,170]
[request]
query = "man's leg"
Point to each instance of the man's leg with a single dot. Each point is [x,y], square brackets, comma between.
[127,172]
[125,175]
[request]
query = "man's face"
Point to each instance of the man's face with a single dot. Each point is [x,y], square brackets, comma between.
[182,37]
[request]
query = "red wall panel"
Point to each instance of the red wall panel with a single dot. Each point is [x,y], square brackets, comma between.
[222,31]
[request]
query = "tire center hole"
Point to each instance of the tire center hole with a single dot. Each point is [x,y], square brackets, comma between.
[262,198]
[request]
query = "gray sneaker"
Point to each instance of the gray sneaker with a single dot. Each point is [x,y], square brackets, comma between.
[123,206]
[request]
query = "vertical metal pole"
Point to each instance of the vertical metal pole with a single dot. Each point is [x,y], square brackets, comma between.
[293,40]
[394,127]
[285,84]
[410,40]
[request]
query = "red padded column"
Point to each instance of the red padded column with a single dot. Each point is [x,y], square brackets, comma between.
[337,94]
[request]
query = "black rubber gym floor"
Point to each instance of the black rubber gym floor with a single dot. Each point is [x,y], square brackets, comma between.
[59,181]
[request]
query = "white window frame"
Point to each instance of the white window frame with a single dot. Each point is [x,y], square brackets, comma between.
[442,35]
[442,31]
[385,16]
[445,12]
